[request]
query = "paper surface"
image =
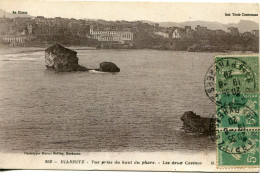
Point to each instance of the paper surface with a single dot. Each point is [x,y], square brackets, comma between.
[129,86]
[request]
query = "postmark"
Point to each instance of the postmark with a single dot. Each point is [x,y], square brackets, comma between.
[237,119]
[209,83]
[237,148]
[234,125]
[235,76]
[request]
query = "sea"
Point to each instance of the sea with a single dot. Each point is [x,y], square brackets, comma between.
[137,109]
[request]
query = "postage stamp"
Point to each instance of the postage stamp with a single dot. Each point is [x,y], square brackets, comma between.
[237,105]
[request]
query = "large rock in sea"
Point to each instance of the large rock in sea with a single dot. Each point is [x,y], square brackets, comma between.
[193,123]
[62,59]
[108,67]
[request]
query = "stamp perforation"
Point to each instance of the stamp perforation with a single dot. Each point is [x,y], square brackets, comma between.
[220,130]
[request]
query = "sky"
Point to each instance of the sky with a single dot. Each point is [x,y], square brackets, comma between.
[131,11]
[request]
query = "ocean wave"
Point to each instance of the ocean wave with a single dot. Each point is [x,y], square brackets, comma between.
[21,57]
[95,71]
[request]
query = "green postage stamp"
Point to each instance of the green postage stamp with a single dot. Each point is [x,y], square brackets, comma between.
[237,106]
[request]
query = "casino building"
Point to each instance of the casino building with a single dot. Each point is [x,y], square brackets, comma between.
[110,35]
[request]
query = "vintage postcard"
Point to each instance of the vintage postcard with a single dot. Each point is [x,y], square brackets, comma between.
[145,86]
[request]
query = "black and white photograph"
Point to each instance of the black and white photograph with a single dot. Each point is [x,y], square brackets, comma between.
[115,85]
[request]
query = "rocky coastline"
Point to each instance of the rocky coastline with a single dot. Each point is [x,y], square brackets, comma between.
[62,59]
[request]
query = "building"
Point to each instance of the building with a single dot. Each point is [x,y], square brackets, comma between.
[220,32]
[162,34]
[30,28]
[182,33]
[15,40]
[109,35]
[255,33]
[176,33]
[188,28]
[203,33]
[233,31]
[201,30]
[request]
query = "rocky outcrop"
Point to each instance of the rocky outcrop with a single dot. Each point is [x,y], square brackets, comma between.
[62,59]
[108,67]
[193,123]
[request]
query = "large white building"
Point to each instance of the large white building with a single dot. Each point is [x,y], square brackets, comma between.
[111,35]
[15,40]
[162,34]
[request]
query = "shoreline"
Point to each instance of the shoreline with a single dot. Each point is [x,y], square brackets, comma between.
[15,50]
